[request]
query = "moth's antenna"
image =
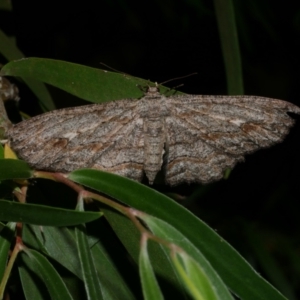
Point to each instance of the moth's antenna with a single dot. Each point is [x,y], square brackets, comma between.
[115,70]
[192,74]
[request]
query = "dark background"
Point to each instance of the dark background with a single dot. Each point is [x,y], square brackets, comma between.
[257,208]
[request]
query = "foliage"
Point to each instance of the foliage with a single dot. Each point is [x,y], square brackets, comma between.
[96,235]
[205,265]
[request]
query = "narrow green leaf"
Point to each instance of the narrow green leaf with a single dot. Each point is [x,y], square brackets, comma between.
[88,83]
[109,272]
[230,46]
[6,235]
[14,169]
[238,275]
[60,245]
[43,215]
[130,238]
[32,288]
[89,273]
[90,276]
[57,243]
[8,47]
[38,264]
[196,281]
[150,286]
[209,275]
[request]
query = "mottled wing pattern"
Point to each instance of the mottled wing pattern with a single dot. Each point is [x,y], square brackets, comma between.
[207,134]
[202,135]
[105,136]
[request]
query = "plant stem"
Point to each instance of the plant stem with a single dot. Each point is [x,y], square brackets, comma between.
[18,247]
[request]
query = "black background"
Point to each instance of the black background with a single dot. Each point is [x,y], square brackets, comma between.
[161,40]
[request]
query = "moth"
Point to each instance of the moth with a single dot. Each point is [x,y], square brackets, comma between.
[194,138]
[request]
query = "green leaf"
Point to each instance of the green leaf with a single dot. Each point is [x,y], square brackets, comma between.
[130,238]
[89,273]
[194,278]
[88,83]
[237,274]
[58,243]
[8,47]
[230,46]
[43,215]
[32,288]
[108,271]
[38,264]
[6,236]
[14,169]
[150,286]
[209,276]
[11,52]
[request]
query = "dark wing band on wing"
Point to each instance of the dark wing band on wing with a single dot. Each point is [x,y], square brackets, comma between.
[104,136]
[208,134]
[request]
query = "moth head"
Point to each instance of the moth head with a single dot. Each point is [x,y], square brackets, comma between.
[153,90]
